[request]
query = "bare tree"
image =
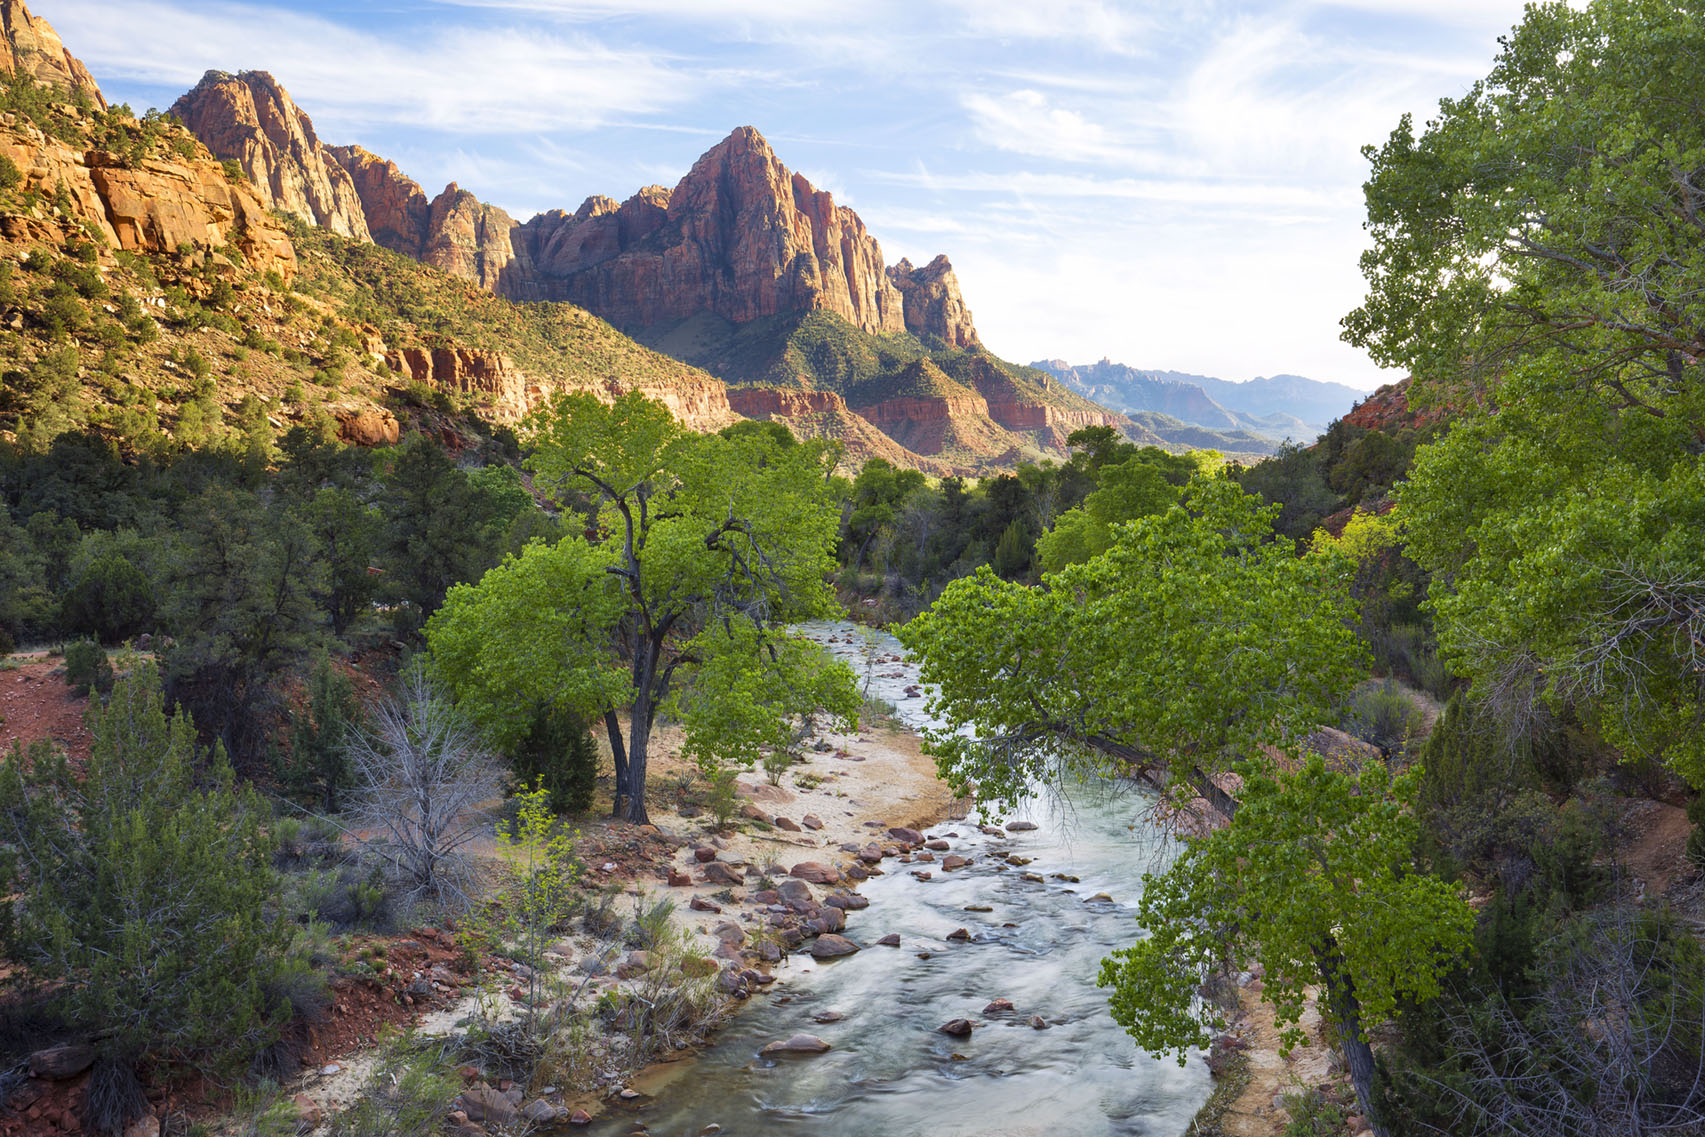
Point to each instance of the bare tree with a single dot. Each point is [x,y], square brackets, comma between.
[1610,1046]
[421,774]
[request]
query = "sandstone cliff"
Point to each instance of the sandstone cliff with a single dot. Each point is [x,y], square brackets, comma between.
[507,394]
[30,45]
[154,205]
[251,119]
[934,307]
[396,209]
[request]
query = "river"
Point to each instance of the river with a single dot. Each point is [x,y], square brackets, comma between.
[890,1072]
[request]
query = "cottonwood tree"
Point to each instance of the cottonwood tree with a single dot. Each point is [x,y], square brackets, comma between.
[418,776]
[1189,643]
[1311,878]
[1536,253]
[705,548]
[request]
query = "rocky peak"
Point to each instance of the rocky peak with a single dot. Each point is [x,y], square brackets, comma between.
[396,209]
[934,307]
[29,44]
[251,119]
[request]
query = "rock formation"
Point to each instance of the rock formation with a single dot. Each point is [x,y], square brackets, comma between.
[29,44]
[934,308]
[506,393]
[249,118]
[155,205]
[396,209]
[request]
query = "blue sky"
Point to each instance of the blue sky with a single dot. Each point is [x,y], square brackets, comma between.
[1168,183]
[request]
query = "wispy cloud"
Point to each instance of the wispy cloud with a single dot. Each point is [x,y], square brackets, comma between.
[491,80]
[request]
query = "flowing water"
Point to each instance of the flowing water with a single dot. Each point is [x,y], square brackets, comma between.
[890,1072]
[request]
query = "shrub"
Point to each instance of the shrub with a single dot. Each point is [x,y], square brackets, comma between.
[147,892]
[10,176]
[558,753]
[110,601]
[88,668]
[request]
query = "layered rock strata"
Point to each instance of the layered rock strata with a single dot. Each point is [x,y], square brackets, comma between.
[155,205]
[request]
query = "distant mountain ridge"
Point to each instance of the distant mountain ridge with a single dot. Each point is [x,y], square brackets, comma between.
[1274,407]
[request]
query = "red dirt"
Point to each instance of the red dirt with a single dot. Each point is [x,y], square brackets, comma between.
[35,703]
[359,1012]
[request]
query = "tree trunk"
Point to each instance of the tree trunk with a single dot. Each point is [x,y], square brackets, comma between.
[1347,1009]
[619,756]
[639,742]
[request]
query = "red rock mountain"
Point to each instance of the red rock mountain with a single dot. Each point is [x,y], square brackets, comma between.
[740,236]
[249,118]
[739,239]
[30,45]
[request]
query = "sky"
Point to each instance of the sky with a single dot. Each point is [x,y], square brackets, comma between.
[1172,184]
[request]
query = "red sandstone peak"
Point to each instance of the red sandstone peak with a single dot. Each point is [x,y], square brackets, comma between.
[934,306]
[29,44]
[251,119]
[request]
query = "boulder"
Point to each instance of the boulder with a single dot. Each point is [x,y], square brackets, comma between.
[953,861]
[59,1062]
[483,1102]
[816,872]
[936,844]
[811,821]
[959,1028]
[679,879]
[906,836]
[798,1044]
[786,824]
[831,946]
[1020,826]
[718,872]
[998,1006]
[959,934]
[700,904]
[892,939]
[704,854]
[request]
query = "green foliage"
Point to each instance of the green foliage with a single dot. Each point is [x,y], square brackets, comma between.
[408,1095]
[318,763]
[87,668]
[10,177]
[111,600]
[538,892]
[243,613]
[704,544]
[1533,254]
[1312,878]
[1190,642]
[558,754]
[145,888]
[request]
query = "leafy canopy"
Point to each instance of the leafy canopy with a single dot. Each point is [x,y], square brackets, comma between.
[1192,640]
[702,548]
[1537,249]
[1310,879]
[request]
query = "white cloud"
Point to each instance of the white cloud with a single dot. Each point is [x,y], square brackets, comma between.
[1025,122]
[487,80]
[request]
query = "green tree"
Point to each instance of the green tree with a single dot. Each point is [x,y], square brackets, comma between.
[1193,640]
[1312,879]
[706,547]
[318,762]
[1535,258]
[145,888]
[243,612]
[1127,490]
[111,600]
[348,533]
